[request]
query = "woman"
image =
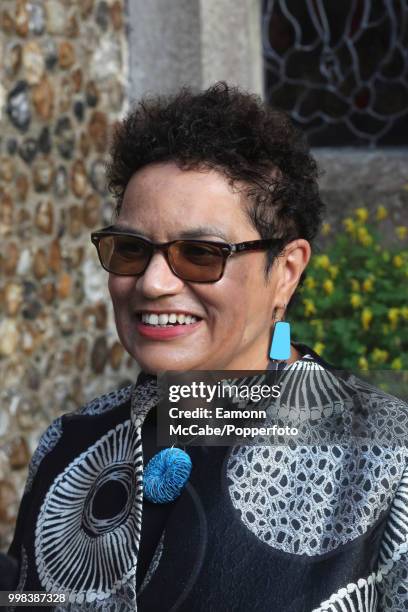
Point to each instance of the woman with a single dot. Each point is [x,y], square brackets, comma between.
[217,206]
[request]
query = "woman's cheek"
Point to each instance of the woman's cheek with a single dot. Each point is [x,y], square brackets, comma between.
[120,289]
[232,326]
[124,324]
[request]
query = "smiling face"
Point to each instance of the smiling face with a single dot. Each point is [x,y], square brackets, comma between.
[234,315]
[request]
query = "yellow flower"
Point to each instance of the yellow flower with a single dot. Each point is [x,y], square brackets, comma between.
[404,312]
[363,363]
[355,300]
[326,229]
[310,282]
[381,213]
[349,225]
[319,347]
[318,324]
[393,316]
[355,285]
[322,261]
[333,271]
[368,284]
[401,231]
[366,318]
[310,308]
[328,286]
[361,214]
[396,363]
[397,261]
[363,236]
[379,355]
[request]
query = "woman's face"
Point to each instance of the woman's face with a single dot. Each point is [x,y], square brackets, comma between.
[164,203]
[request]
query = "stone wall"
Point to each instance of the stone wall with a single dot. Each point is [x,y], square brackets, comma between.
[63,75]
[351,178]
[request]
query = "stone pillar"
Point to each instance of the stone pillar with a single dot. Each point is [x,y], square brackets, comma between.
[164,46]
[231,46]
[195,43]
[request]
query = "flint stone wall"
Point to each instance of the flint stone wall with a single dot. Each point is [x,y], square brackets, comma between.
[63,66]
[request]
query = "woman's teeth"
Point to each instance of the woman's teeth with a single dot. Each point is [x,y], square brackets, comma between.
[167,319]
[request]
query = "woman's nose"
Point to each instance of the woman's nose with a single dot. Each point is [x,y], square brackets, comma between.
[158,278]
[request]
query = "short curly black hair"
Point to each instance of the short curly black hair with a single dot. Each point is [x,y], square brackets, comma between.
[236,133]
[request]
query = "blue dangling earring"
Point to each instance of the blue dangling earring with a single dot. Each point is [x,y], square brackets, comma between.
[165,475]
[280,345]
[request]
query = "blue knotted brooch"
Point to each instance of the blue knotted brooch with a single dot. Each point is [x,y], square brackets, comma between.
[165,475]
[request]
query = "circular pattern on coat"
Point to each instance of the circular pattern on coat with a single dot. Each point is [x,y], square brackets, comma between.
[83,549]
[311,499]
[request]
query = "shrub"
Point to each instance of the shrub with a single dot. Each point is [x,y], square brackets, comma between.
[353,306]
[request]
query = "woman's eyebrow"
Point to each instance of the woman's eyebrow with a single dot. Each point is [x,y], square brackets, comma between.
[130,230]
[196,232]
[202,230]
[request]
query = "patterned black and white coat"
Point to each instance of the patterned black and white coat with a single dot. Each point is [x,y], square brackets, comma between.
[271,528]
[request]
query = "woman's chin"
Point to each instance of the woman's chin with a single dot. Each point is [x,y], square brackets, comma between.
[154,364]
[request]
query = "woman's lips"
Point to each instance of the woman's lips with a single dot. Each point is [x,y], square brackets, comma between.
[165,333]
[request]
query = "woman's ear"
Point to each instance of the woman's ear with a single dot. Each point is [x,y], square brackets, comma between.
[291,263]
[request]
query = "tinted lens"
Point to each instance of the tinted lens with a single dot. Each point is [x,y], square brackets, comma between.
[124,255]
[196,261]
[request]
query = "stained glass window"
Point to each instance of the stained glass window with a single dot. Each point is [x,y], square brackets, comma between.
[340,67]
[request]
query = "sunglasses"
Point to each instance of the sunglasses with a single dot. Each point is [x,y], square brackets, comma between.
[198,261]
